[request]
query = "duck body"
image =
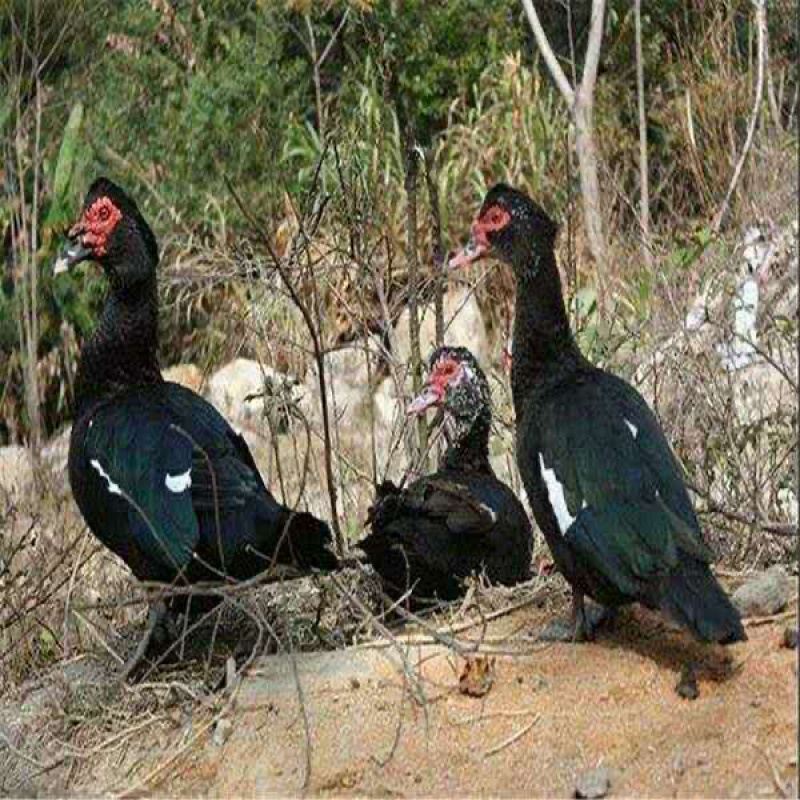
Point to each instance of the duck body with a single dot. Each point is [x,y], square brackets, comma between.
[607,492]
[445,527]
[165,483]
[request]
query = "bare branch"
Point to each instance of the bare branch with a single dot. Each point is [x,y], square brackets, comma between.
[592,59]
[761,29]
[549,56]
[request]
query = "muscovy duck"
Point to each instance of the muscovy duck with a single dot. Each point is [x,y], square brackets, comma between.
[431,535]
[604,485]
[160,477]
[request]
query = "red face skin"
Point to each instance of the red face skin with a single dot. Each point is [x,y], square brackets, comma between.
[96,224]
[446,371]
[495,218]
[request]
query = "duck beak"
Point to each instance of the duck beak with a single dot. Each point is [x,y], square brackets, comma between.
[75,252]
[476,248]
[428,398]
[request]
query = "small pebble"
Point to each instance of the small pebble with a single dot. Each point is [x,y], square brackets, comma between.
[222,732]
[790,637]
[355,683]
[593,783]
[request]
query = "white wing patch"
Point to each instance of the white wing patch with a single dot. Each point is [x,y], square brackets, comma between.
[492,514]
[633,429]
[555,491]
[180,482]
[112,487]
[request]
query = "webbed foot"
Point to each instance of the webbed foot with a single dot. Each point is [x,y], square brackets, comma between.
[583,624]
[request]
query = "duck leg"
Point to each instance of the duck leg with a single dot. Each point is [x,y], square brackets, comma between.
[156,626]
[582,624]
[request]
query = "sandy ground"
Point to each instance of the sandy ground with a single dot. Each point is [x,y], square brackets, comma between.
[551,714]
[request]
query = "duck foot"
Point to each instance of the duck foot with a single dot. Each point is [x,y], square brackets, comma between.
[687,685]
[159,632]
[585,620]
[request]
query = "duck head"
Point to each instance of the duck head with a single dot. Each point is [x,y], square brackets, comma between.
[111,231]
[457,384]
[510,227]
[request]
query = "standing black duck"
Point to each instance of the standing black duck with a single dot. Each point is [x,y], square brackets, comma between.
[160,477]
[604,485]
[461,520]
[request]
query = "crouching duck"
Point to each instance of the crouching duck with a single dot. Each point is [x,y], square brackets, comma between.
[425,539]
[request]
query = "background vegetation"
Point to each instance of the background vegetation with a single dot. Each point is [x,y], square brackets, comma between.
[295,105]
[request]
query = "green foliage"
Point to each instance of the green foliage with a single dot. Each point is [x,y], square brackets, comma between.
[438,51]
[190,99]
[172,98]
[67,175]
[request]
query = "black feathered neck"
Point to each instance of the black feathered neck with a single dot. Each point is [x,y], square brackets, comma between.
[122,351]
[468,414]
[468,448]
[545,351]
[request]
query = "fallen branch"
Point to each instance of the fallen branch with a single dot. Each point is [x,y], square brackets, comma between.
[754,622]
[511,739]
[770,526]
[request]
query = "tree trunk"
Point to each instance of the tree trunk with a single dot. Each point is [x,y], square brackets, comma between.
[590,188]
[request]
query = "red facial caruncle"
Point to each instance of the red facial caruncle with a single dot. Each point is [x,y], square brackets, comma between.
[443,373]
[493,219]
[446,372]
[96,224]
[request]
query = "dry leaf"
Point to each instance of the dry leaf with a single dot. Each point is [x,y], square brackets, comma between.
[477,676]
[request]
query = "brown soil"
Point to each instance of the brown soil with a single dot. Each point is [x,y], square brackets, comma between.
[609,703]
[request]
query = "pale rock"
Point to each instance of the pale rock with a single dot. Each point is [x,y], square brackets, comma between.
[764,594]
[463,326]
[56,452]
[187,375]
[347,383]
[241,389]
[15,470]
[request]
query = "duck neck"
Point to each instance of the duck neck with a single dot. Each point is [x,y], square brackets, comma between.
[469,448]
[544,348]
[122,352]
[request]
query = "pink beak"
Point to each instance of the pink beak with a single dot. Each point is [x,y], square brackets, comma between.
[426,399]
[476,248]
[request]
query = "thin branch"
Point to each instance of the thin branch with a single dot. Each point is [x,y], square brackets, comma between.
[319,355]
[593,49]
[561,80]
[761,28]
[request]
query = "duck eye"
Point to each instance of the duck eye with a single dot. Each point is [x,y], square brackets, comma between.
[103,213]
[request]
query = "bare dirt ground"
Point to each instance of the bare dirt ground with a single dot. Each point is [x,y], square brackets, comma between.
[378,729]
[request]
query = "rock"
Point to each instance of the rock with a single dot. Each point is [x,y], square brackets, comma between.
[764,594]
[222,732]
[790,637]
[389,408]
[347,384]
[463,324]
[242,389]
[593,783]
[15,470]
[56,452]
[187,375]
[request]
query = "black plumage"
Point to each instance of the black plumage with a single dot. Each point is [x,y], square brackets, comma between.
[461,520]
[159,475]
[604,485]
